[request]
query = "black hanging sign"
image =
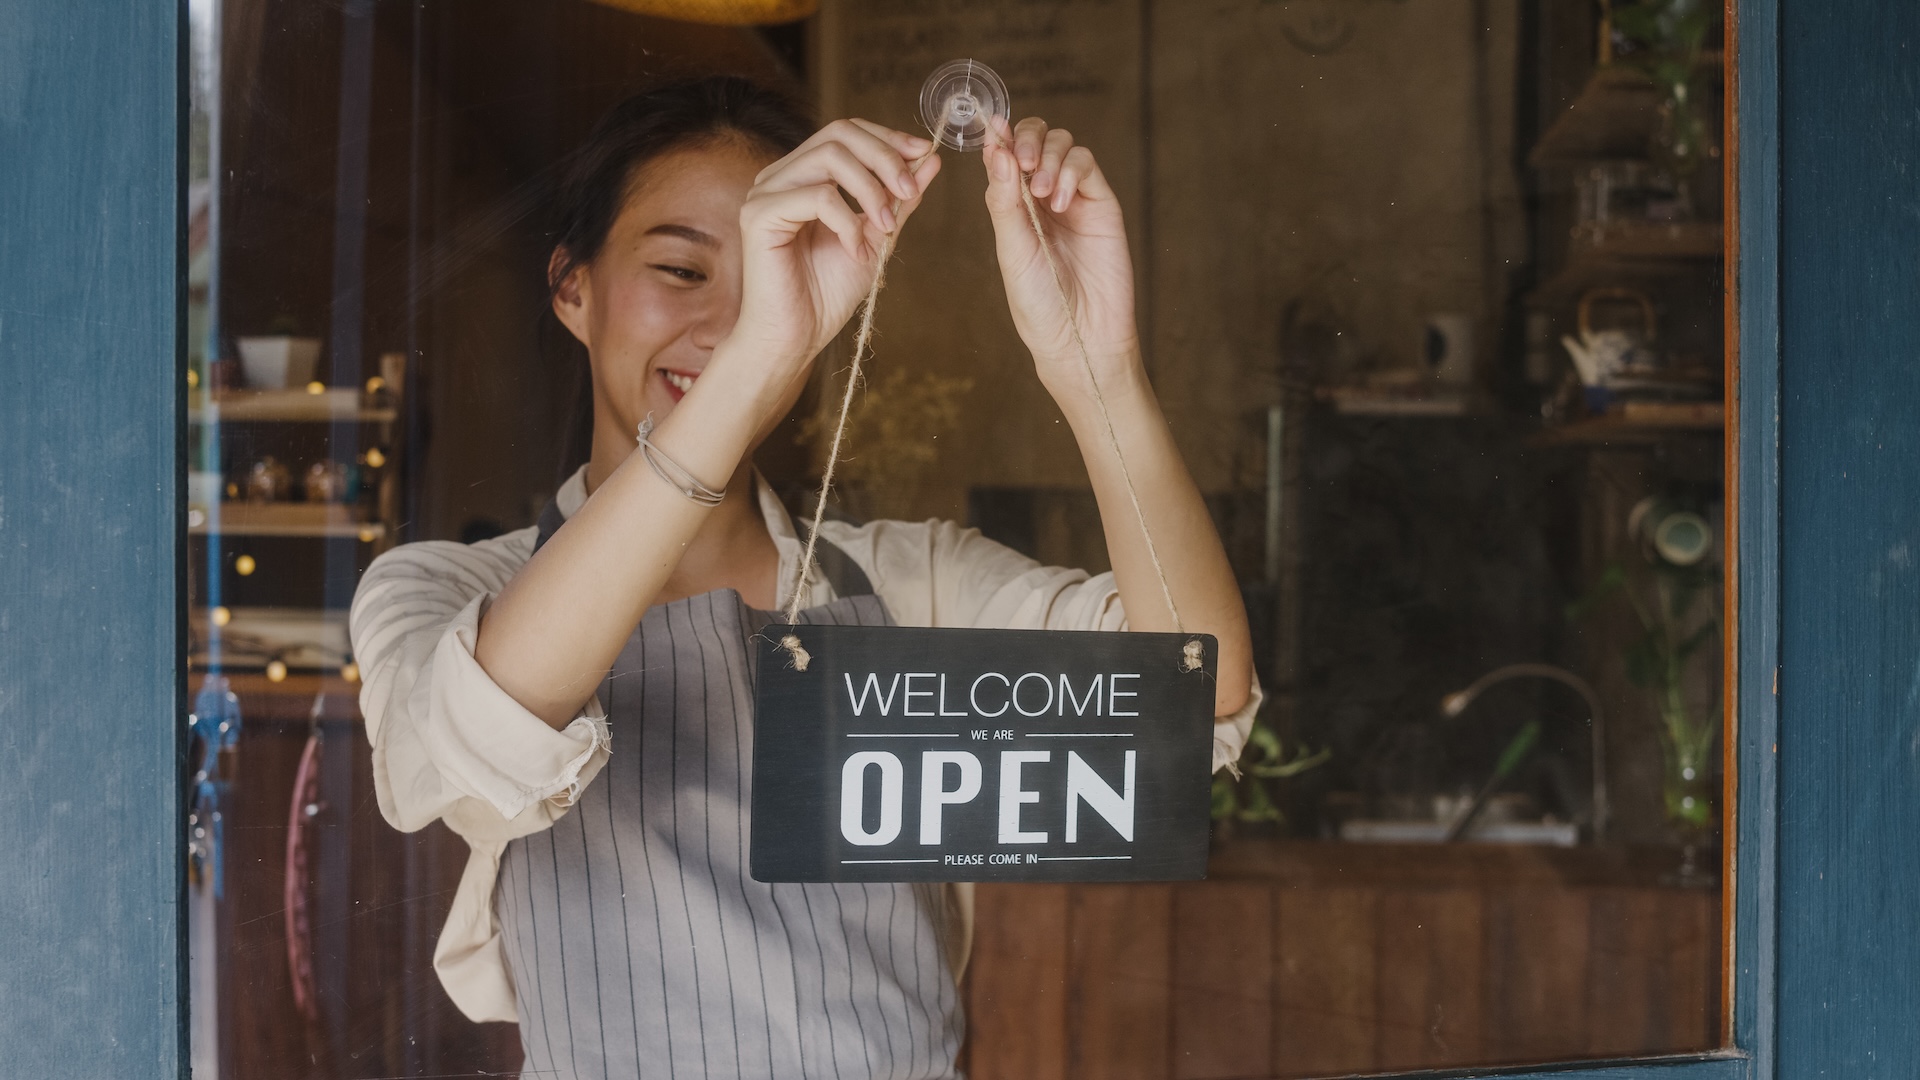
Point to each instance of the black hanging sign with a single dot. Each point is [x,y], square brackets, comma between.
[910,754]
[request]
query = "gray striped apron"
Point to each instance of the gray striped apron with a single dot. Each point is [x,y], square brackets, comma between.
[639,944]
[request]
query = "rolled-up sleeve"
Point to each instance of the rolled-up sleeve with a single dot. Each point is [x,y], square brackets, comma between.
[937,573]
[441,729]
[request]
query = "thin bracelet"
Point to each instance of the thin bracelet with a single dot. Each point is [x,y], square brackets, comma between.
[676,476]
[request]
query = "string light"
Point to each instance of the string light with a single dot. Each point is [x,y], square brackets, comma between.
[276,670]
[367,534]
[244,565]
[350,671]
[316,387]
[376,457]
[193,378]
[376,384]
[221,616]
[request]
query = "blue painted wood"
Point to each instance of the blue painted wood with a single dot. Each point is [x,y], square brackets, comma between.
[1757,389]
[91,971]
[1849,765]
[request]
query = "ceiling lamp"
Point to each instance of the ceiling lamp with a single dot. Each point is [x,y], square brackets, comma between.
[720,12]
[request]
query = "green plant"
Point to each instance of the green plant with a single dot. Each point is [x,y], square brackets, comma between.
[1241,794]
[1678,619]
[1664,39]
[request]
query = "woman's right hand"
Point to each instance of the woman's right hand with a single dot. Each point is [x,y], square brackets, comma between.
[808,258]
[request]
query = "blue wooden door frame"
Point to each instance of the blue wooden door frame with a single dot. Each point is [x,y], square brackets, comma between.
[1827,515]
[91,629]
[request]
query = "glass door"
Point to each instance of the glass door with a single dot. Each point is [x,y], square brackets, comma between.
[1432,296]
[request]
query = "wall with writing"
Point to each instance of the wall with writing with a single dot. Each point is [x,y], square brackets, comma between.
[1354,157]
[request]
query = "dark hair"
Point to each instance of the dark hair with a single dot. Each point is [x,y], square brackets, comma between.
[600,174]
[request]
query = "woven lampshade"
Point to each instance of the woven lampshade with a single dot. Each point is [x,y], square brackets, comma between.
[720,12]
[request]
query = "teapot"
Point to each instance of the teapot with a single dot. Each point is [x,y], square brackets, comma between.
[1600,355]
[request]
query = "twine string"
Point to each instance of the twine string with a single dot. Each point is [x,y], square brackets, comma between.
[1100,399]
[862,339]
[1191,654]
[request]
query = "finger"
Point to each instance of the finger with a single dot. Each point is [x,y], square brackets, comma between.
[924,175]
[1004,203]
[870,144]
[912,147]
[1028,137]
[780,215]
[878,154]
[1052,151]
[1077,170]
[836,163]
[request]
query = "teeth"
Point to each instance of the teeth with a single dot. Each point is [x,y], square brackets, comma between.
[682,383]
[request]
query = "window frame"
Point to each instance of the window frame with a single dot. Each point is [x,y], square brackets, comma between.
[113,547]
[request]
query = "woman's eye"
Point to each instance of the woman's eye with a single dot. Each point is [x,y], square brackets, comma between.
[684,273]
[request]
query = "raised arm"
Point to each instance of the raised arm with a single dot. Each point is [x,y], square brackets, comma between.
[1081,217]
[805,259]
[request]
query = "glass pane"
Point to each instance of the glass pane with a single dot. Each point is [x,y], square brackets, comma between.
[1430,296]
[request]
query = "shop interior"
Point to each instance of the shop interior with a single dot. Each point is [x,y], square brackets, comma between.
[1432,292]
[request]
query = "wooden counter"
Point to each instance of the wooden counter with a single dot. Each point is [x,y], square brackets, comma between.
[1319,959]
[1296,959]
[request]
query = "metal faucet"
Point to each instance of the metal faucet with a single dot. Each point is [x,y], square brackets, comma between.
[1456,703]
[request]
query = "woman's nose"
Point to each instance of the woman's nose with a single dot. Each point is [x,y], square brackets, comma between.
[716,318]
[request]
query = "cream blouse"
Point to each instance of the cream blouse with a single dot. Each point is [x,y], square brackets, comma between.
[449,744]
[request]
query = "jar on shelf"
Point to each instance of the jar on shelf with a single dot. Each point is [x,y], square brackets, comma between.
[326,482]
[269,481]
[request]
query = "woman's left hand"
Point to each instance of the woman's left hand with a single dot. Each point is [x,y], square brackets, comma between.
[1081,216]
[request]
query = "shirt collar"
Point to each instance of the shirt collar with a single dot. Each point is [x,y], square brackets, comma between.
[786,539]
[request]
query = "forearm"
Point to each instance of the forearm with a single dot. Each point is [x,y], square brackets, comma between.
[559,625]
[1190,552]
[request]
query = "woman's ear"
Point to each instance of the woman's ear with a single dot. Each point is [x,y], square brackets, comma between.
[569,294]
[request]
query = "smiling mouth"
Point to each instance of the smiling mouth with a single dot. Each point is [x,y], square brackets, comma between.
[679,382]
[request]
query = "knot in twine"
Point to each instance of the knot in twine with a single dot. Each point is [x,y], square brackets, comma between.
[1192,655]
[801,657]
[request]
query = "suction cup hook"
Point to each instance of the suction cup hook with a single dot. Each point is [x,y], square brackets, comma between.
[957,99]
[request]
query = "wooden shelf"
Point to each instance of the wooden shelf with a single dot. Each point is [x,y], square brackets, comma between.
[1370,401]
[288,406]
[1638,423]
[305,639]
[1612,118]
[290,699]
[325,520]
[1648,240]
[1582,273]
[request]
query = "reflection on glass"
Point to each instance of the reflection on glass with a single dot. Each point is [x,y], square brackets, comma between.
[1430,294]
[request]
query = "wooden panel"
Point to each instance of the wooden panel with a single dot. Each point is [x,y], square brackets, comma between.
[1430,979]
[1119,970]
[91,271]
[1653,971]
[373,925]
[1222,981]
[1536,957]
[1326,990]
[1017,983]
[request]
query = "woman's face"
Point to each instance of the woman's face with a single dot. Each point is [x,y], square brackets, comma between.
[665,288]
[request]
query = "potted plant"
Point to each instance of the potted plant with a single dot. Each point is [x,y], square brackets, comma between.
[280,358]
[1672,593]
[1664,40]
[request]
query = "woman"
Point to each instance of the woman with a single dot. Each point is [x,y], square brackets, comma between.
[705,256]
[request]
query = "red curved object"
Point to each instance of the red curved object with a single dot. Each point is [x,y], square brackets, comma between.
[306,792]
